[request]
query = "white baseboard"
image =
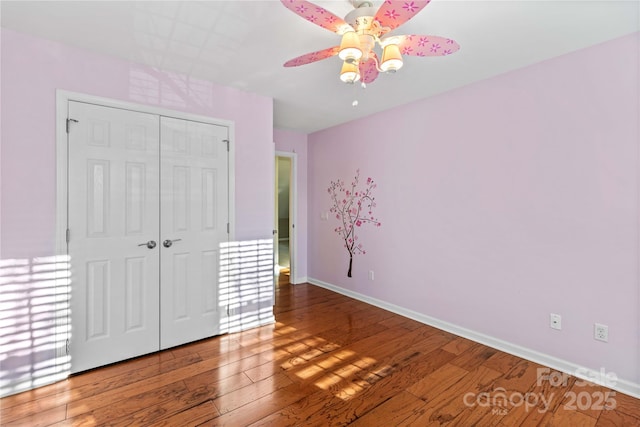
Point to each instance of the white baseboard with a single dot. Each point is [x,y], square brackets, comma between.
[299,280]
[621,385]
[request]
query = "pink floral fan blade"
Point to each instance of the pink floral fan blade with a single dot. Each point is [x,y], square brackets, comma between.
[394,13]
[317,15]
[419,45]
[308,58]
[368,69]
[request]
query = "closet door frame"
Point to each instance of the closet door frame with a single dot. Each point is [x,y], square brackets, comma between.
[62,279]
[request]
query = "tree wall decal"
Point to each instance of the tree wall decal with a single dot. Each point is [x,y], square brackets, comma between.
[354,208]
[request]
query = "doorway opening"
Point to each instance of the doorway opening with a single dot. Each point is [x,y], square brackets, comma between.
[284,236]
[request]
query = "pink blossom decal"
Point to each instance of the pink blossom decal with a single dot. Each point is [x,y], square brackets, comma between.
[410,7]
[422,45]
[407,50]
[391,14]
[354,208]
[315,14]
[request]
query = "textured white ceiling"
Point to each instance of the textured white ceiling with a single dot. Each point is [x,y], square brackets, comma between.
[243,44]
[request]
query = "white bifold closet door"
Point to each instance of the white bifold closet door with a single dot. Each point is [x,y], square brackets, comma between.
[148,209]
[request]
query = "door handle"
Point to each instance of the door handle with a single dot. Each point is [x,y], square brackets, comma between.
[150,244]
[167,243]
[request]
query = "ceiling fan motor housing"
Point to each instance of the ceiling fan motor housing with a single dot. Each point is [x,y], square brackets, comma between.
[362,19]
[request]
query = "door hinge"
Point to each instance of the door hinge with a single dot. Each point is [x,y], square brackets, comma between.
[69,123]
[66,347]
[227,141]
[68,235]
[228,228]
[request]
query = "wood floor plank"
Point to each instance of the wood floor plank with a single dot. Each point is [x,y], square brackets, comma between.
[545,397]
[459,345]
[502,362]
[93,384]
[32,408]
[152,413]
[90,384]
[437,383]
[410,367]
[328,360]
[101,414]
[520,378]
[190,417]
[257,412]
[474,356]
[627,404]
[563,418]
[400,408]
[30,397]
[37,419]
[242,396]
[358,397]
[79,406]
[459,396]
[588,398]
[403,322]
[216,386]
[613,418]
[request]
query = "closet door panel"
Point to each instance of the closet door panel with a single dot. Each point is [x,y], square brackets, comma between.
[194,216]
[113,199]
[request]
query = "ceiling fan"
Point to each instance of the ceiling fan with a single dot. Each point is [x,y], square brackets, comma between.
[362,29]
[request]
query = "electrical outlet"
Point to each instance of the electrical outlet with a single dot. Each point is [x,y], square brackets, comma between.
[371,275]
[555,321]
[601,332]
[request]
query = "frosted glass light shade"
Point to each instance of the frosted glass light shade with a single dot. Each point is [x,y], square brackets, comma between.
[391,58]
[350,47]
[350,72]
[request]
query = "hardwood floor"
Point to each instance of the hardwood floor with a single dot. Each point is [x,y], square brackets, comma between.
[328,361]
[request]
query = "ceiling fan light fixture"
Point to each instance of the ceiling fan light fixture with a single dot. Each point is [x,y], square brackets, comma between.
[350,47]
[365,31]
[391,58]
[350,72]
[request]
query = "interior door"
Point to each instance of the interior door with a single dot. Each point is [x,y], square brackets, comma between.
[113,224]
[194,222]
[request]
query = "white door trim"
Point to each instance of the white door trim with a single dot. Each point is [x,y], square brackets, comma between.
[293,208]
[63,273]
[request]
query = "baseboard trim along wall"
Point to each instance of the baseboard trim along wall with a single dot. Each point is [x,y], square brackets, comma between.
[621,385]
[300,280]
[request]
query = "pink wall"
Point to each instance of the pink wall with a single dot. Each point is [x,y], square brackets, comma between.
[32,70]
[295,142]
[500,203]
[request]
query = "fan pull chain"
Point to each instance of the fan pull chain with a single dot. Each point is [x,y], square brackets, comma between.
[355,100]
[355,97]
